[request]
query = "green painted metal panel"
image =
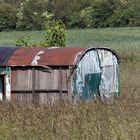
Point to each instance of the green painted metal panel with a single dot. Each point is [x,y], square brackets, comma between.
[91,88]
[5,70]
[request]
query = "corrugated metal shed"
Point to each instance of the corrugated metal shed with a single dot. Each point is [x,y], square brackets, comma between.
[46,74]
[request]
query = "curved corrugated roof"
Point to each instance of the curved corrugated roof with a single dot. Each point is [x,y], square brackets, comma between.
[60,56]
[5,54]
[23,56]
[40,56]
[44,56]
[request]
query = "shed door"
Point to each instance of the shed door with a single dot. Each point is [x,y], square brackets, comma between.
[2,87]
[88,77]
[109,77]
[96,75]
[91,88]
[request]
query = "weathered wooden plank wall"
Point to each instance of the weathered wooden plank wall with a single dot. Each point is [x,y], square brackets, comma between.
[39,85]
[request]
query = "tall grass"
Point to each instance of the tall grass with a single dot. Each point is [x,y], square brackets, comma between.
[118,120]
[95,121]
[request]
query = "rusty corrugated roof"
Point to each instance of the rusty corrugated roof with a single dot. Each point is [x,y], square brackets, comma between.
[40,56]
[44,56]
[23,56]
[60,56]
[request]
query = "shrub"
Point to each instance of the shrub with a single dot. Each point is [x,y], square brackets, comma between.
[23,41]
[55,34]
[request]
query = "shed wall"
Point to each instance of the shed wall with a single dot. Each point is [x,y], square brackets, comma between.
[39,85]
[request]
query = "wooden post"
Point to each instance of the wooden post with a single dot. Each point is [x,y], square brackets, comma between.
[60,82]
[35,96]
[69,79]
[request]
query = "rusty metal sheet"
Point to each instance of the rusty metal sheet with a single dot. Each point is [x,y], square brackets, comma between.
[23,56]
[60,56]
[41,56]
[44,56]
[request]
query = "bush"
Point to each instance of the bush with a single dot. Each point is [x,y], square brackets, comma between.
[23,41]
[55,34]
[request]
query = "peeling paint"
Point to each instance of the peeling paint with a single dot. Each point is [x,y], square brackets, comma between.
[6,72]
[77,57]
[37,58]
[96,75]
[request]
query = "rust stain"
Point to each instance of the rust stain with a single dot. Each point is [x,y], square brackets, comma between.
[23,56]
[49,57]
[36,58]
[60,56]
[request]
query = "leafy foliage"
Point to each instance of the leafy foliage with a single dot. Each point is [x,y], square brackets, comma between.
[103,10]
[23,41]
[7,16]
[33,14]
[55,34]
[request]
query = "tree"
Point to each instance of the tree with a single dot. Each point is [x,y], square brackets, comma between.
[7,16]
[102,12]
[70,11]
[31,15]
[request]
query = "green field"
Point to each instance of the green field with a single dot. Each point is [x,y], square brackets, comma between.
[117,120]
[122,38]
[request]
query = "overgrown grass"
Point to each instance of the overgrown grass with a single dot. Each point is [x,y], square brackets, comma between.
[118,120]
[95,121]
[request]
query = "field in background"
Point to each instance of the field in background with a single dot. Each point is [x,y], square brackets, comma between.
[95,120]
[122,38]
